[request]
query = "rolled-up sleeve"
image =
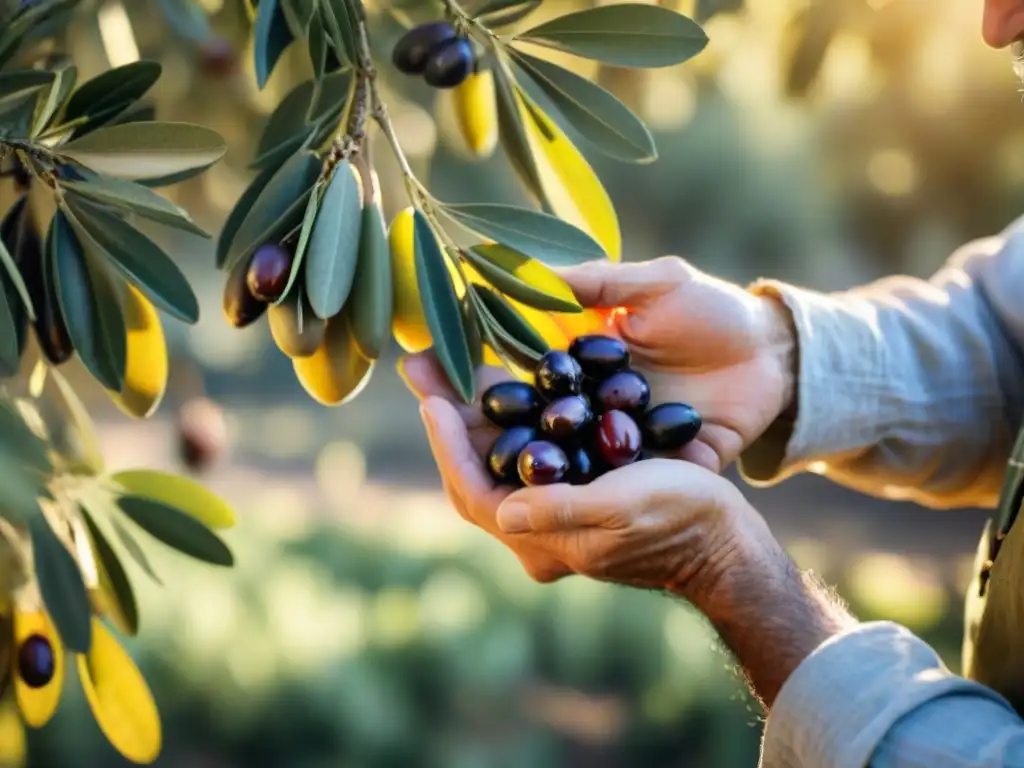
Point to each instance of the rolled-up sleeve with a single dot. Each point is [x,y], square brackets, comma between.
[907,388]
[879,696]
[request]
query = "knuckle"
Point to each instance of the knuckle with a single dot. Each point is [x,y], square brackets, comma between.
[673,269]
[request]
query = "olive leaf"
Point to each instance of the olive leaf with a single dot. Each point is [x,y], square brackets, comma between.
[176,529]
[339,25]
[504,344]
[332,94]
[501,13]
[141,261]
[524,279]
[509,322]
[129,196]
[277,208]
[10,351]
[89,304]
[64,80]
[9,264]
[597,114]
[238,213]
[120,584]
[138,151]
[514,139]
[16,111]
[334,244]
[100,100]
[442,309]
[302,244]
[180,492]
[22,80]
[61,586]
[287,129]
[188,20]
[134,549]
[271,36]
[538,235]
[624,35]
[78,416]
[372,297]
[31,16]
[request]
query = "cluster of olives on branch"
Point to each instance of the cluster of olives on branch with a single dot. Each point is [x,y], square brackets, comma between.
[587,414]
[436,52]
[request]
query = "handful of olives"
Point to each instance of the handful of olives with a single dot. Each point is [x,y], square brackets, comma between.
[588,414]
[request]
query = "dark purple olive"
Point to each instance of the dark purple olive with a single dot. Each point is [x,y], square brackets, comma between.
[241,308]
[269,270]
[624,391]
[600,356]
[450,64]
[217,57]
[414,48]
[670,426]
[582,466]
[542,463]
[558,375]
[566,420]
[618,438]
[503,460]
[37,663]
[512,403]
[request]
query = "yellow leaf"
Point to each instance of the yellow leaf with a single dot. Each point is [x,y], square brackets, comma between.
[338,370]
[119,697]
[37,705]
[476,112]
[178,492]
[145,376]
[12,737]
[570,184]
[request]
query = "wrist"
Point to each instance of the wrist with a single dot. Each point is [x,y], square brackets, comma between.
[781,347]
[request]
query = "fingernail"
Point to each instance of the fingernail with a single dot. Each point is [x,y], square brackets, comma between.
[514,517]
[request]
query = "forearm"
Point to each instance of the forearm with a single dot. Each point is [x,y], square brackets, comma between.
[906,388]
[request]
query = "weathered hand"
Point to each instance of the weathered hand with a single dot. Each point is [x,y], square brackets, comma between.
[460,438]
[702,341]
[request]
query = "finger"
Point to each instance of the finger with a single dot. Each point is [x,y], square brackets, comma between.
[606,284]
[557,508]
[459,460]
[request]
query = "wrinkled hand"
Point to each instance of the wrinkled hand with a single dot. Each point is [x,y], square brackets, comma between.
[658,524]
[702,341]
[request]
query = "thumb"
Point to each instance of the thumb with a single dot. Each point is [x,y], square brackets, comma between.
[551,508]
[607,284]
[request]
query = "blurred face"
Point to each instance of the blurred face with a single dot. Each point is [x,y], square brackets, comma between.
[1003,23]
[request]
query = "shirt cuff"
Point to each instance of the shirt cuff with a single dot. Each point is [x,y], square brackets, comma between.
[841,379]
[844,698]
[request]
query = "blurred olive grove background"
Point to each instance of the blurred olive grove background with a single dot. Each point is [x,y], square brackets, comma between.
[367,625]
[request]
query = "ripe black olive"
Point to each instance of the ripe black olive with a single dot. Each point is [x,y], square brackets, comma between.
[618,438]
[450,64]
[37,662]
[558,375]
[269,269]
[582,466]
[542,463]
[502,461]
[600,356]
[566,420]
[414,48]
[241,308]
[670,426]
[512,403]
[624,391]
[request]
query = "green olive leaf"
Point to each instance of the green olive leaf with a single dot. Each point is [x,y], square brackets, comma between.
[513,137]
[524,279]
[176,529]
[372,299]
[61,586]
[442,309]
[188,20]
[302,244]
[538,235]
[271,35]
[286,130]
[508,320]
[10,266]
[501,13]
[339,27]
[279,206]
[129,196]
[63,81]
[496,335]
[598,115]
[334,244]
[134,549]
[624,35]
[107,95]
[238,213]
[90,305]
[10,349]
[120,584]
[180,492]
[138,151]
[142,262]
